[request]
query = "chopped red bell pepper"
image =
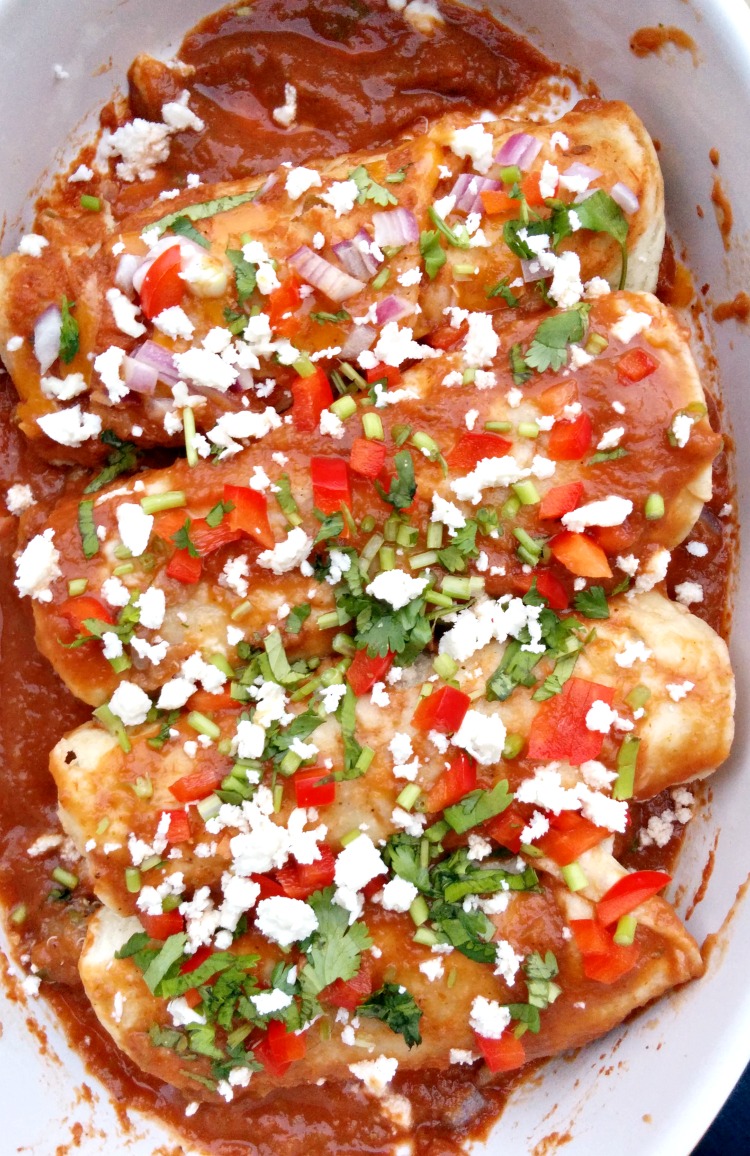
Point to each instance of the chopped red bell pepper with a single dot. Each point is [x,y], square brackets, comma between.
[311,395]
[193,997]
[616,539]
[164,925]
[250,514]
[473,447]
[446,337]
[442,711]
[350,993]
[561,500]
[548,586]
[569,440]
[380,371]
[194,961]
[503,1055]
[207,539]
[554,399]
[162,287]
[268,887]
[506,828]
[628,893]
[183,567]
[367,458]
[300,879]
[365,671]
[279,1048]
[282,301]
[84,606]
[603,960]
[330,480]
[635,365]
[179,827]
[453,783]
[310,791]
[198,784]
[580,554]
[559,730]
[569,836]
[208,703]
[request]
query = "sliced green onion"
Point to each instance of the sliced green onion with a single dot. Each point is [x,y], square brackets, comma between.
[498,426]
[513,746]
[426,558]
[18,914]
[132,880]
[425,936]
[171,903]
[456,587]
[65,878]
[77,586]
[203,725]
[625,930]
[407,536]
[278,798]
[510,507]
[387,558]
[400,434]
[445,666]
[371,547]
[532,547]
[372,424]
[409,796]
[91,204]
[596,343]
[367,525]
[348,518]
[122,552]
[102,826]
[366,755]
[452,977]
[303,366]
[390,529]
[379,281]
[654,508]
[345,407]
[437,599]
[526,492]
[188,428]
[511,175]
[350,836]
[220,662]
[114,725]
[150,863]
[435,536]
[627,758]
[531,852]
[464,270]
[208,808]
[468,376]
[343,644]
[638,697]
[574,876]
[327,620]
[143,788]
[290,763]
[156,503]
[419,911]
[528,429]
[240,611]
[123,569]
[423,441]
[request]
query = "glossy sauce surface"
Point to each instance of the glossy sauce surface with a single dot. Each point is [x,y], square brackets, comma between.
[362,74]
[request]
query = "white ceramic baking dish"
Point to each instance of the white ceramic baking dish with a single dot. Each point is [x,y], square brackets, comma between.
[654,1086]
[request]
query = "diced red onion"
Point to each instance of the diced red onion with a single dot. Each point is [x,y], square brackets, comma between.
[158,358]
[532,270]
[467,189]
[126,268]
[139,376]
[625,198]
[335,283]
[580,170]
[521,150]
[392,309]
[356,263]
[360,338]
[47,332]
[396,227]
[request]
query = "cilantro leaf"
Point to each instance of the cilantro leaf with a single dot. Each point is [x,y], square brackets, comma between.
[164,960]
[69,335]
[502,289]
[333,318]
[517,244]
[244,274]
[124,457]
[516,669]
[603,215]
[183,541]
[592,603]
[332,526]
[397,1008]
[432,252]
[458,237]
[217,513]
[399,175]
[470,932]
[87,529]
[204,209]
[370,190]
[521,373]
[477,807]
[334,950]
[403,486]
[184,227]
[402,853]
[549,347]
[296,617]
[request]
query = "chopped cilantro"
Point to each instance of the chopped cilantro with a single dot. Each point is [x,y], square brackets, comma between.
[549,347]
[69,335]
[592,603]
[183,541]
[432,252]
[477,807]
[184,227]
[124,457]
[398,177]
[236,322]
[519,369]
[603,215]
[403,486]
[324,318]
[244,274]
[87,529]
[217,513]
[204,209]
[397,1008]
[296,617]
[457,237]
[370,190]
[502,289]
[332,526]
[334,951]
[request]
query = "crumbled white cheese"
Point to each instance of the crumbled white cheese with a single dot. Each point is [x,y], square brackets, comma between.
[396,587]
[286,113]
[174,322]
[70,427]
[483,736]
[125,313]
[447,513]
[130,704]
[488,1018]
[398,894]
[287,555]
[687,593]
[300,180]
[630,325]
[474,142]
[609,511]
[285,921]
[135,527]
[19,498]
[632,652]
[37,567]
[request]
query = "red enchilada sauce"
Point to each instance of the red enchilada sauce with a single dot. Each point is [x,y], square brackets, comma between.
[362,73]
